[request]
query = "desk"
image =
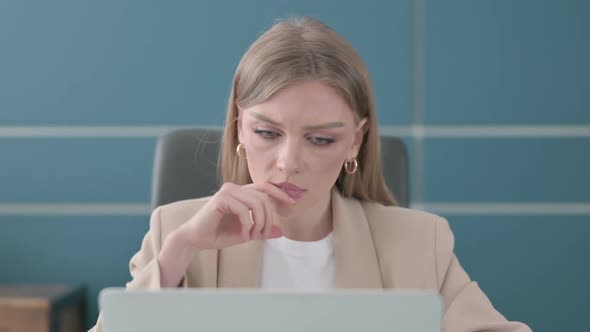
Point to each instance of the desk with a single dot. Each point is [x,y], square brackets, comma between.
[32,308]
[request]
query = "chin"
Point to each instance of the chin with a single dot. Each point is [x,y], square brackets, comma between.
[285,210]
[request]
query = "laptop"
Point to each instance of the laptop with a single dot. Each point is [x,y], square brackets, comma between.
[216,310]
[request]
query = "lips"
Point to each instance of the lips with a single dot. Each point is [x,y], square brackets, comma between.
[292,190]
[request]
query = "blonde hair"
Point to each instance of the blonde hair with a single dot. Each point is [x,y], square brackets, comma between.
[296,50]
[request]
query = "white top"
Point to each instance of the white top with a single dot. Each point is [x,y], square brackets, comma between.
[289,264]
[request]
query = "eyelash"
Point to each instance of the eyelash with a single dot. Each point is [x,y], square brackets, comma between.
[263,133]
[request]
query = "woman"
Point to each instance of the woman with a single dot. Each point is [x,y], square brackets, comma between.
[304,204]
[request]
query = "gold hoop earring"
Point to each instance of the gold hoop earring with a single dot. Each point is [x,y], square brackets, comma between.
[351,169]
[239,148]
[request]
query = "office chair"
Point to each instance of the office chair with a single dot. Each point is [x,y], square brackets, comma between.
[185,166]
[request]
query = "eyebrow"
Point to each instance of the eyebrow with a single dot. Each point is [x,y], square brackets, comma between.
[314,127]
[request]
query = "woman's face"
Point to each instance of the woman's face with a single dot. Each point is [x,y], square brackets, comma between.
[302,135]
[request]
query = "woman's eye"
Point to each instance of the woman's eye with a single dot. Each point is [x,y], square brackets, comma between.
[321,141]
[267,134]
[316,141]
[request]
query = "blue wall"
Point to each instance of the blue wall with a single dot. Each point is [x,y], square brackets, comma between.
[442,71]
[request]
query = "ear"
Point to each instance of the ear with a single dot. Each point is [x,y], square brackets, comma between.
[359,134]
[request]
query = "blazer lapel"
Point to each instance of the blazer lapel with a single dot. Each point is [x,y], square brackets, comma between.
[357,265]
[239,266]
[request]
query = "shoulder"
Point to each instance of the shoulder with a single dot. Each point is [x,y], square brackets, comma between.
[170,216]
[420,241]
[381,216]
[408,227]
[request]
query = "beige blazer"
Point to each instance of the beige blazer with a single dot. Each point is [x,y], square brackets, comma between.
[375,246]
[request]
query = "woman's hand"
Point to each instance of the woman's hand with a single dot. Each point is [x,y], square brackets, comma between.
[234,215]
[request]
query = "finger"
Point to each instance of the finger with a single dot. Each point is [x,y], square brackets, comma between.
[257,210]
[251,217]
[239,209]
[268,211]
[269,220]
[274,192]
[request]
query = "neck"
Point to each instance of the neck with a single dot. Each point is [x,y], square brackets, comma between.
[312,225]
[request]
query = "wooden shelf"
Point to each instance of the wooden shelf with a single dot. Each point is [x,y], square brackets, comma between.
[42,308]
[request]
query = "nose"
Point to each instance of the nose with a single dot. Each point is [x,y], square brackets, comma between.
[289,157]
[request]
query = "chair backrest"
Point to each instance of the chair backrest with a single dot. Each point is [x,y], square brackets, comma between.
[185,166]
